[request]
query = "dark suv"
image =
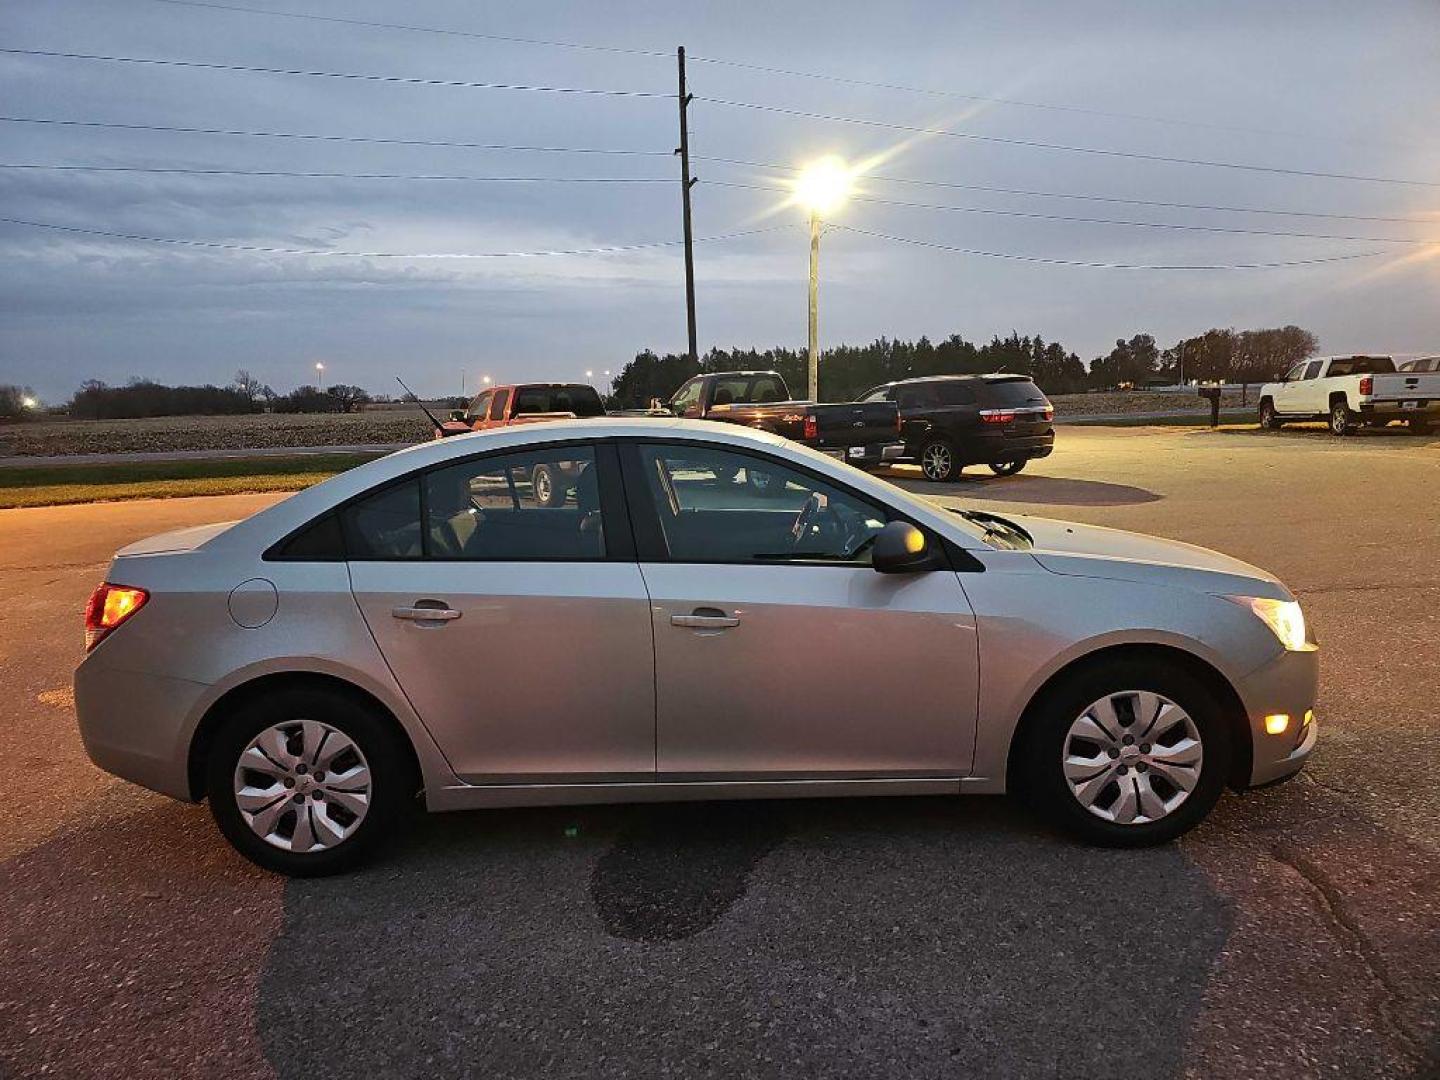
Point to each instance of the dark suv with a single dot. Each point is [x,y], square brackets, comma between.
[950,421]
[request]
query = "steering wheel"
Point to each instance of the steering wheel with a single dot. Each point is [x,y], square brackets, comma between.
[809,514]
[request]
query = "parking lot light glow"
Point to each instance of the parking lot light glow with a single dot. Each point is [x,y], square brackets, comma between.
[28,403]
[824,185]
[1277,723]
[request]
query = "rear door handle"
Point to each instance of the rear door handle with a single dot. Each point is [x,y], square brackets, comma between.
[425,614]
[705,618]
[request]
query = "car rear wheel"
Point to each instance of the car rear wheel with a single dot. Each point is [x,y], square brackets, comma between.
[1418,427]
[1342,420]
[1128,754]
[1007,468]
[1269,418]
[937,461]
[308,782]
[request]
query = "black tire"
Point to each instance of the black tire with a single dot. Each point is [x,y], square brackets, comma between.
[1418,427]
[1007,468]
[938,462]
[1043,772]
[1342,420]
[547,484]
[393,782]
[1269,418]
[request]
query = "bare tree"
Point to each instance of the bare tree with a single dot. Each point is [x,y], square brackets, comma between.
[248,385]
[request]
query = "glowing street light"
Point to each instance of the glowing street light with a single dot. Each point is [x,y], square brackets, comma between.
[822,188]
[28,403]
[485,380]
[319,375]
[589,374]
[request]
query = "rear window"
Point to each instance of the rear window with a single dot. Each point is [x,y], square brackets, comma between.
[1361,365]
[1012,393]
[578,399]
[748,390]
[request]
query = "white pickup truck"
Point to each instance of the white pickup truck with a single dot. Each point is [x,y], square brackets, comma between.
[1349,391]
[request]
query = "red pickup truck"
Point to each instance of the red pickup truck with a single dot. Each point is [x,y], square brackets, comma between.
[529,403]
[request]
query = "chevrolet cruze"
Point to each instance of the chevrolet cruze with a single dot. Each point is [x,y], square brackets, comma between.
[424,630]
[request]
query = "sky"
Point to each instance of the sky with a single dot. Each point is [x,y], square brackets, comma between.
[1307,87]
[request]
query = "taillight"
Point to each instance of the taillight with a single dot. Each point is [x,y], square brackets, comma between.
[812,426]
[1049,413]
[109,606]
[996,416]
[1367,385]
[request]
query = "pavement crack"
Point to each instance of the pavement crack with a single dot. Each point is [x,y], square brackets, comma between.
[1349,935]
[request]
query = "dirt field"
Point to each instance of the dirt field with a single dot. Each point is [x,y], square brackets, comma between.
[211,433]
[171,433]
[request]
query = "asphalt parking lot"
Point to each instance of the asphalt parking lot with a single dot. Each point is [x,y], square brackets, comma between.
[1296,934]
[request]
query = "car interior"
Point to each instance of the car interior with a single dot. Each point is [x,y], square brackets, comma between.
[709,512]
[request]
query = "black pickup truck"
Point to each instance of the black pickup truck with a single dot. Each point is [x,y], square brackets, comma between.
[950,421]
[862,433]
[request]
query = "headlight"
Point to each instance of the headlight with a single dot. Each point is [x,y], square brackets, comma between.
[1284,617]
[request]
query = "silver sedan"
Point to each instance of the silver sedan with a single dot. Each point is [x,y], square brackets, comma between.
[709,612]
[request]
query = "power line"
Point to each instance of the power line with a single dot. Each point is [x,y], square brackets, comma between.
[414,28]
[1031,215]
[1085,197]
[988,99]
[1063,147]
[333,138]
[264,250]
[408,80]
[343,175]
[1104,265]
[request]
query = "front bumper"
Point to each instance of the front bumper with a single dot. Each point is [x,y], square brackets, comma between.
[1288,685]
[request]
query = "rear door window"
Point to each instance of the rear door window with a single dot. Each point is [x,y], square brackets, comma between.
[1312,370]
[919,396]
[497,407]
[956,393]
[540,504]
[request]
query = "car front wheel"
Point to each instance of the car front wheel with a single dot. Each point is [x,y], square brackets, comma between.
[1129,754]
[308,782]
[1269,418]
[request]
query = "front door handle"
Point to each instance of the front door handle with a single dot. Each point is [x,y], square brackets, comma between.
[706,618]
[425,614]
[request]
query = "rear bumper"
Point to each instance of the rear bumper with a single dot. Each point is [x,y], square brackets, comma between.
[137,726]
[1286,685]
[874,454]
[981,448]
[1401,409]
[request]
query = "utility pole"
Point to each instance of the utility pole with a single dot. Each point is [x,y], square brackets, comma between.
[686,183]
[813,385]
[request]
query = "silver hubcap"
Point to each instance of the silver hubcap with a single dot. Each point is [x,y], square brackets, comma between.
[541,483]
[1338,419]
[936,462]
[1132,757]
[302,786]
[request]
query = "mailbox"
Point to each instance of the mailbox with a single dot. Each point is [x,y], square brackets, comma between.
[1211,393]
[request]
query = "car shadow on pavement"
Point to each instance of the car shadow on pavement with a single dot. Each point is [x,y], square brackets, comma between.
[917,937]
[1043,490]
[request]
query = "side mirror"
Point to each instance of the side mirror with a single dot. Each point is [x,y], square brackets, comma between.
[901,548]
[458,414]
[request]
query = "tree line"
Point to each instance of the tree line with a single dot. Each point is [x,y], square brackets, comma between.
[139,398]
[847,371]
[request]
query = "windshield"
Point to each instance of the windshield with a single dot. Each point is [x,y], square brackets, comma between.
[1361,365]
[578,399]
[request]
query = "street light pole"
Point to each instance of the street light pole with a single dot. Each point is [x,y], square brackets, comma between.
[813,384]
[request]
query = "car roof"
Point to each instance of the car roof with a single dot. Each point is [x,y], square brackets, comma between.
[989,376]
